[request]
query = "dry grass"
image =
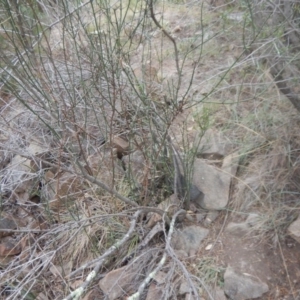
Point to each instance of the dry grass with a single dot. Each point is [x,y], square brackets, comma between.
[84,59]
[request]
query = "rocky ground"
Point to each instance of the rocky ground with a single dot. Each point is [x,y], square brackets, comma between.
[241,241]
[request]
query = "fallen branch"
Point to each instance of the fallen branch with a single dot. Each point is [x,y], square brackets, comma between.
[146,281]
[159,227]
[141,210]
[91,276]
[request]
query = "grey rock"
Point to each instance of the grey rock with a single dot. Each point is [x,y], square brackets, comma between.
[231,163]
[219,294]
[238,229]
[7,224]
[9,248]
[242,287]
[117,282]
[191,297]
[213,183]
[294,230]
[189,239]
[135,163]
[160,277]
[212,145]
[190,218]
[253,220]
[170,205]
[184,288]
[196,196]
[200,217]
[211,216]
[154,292]
[181,254]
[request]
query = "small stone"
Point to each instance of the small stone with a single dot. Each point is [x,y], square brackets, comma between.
[7,224]
[212,144]
[189,239]
[238,229]
[177,29]
[9,249]
[231,163]
[236,16]
[170,205]
[200,217]
[208,247]
[211,216]
[253,219]
[242,287]
[191,297]
[184,288]
[160,277]
[294,230]
[41,296]
[181,254]
[135,165]
[189,217]
[154,292]
[219,294]
[214,183]
[116,282]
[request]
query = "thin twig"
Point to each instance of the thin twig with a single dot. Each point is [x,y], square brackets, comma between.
[146,281]
[172,40]
[104,186]
[91,276]
[83,173]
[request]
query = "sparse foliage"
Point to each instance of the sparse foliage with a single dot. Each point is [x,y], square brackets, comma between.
[90,93]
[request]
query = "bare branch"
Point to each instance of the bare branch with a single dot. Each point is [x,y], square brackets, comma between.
[146,281]
[91,276]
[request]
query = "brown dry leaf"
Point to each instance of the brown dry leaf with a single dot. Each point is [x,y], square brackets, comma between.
[61,189]
[9,248]
[105,168]
[76,284]
[121,145]
[19,177]
[41,296]
[37,152]
[171,205]
[61,271]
